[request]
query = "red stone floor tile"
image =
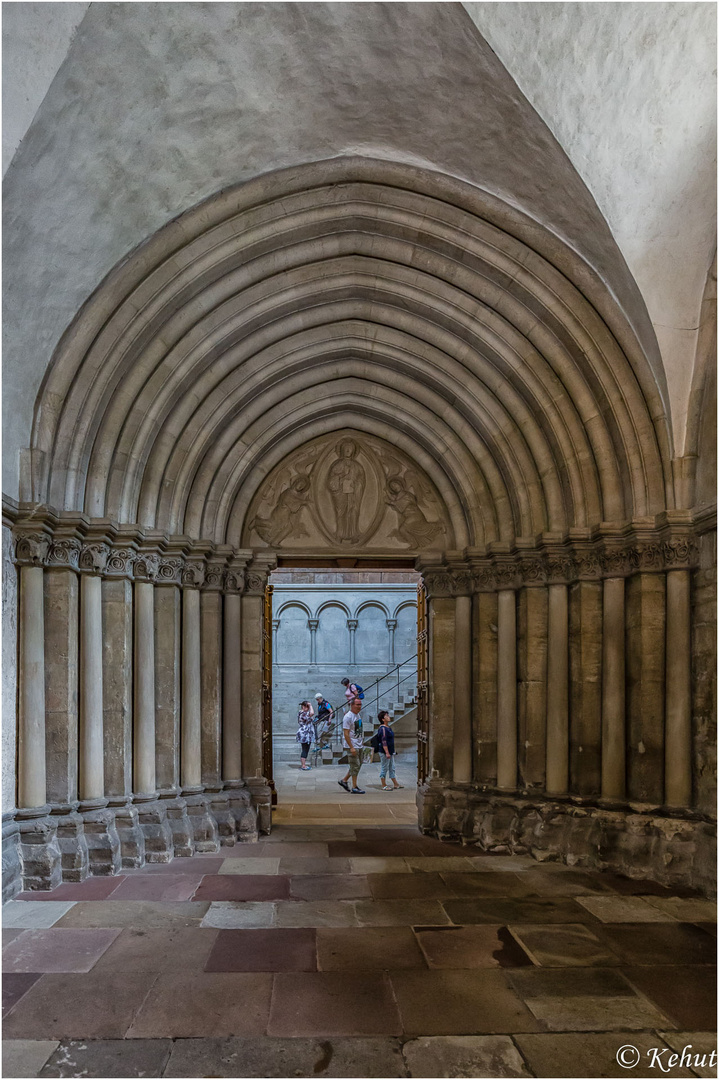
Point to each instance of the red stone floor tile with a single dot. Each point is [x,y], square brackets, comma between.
[277,949]
[499,883]
[10,935]
[207,1004]
[329,1003]
[460,1003]
[92,888]
[686,995]
[471,947]
[57,949]
[14,986]
[91,1006]
[182,948]
[369,948]
[340,887]
[243,887]
[158,887]
[193,865]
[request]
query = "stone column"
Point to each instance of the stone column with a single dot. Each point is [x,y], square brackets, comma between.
[40,853]
[462,748]
[506,690]
[313,624]
[203,826]
[391,627]
[485,694]
[275,628]
[61,623]
[91,766]
[645,671]
[245,818]
[678,772]
[211,623]
[253,600]
[532,685]
[352,626]
[557,692]
[613,691]
[441,631]
[152,814]
[585,688]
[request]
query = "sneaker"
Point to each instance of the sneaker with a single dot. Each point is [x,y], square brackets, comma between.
[344,784]
[357,791]
[306,768]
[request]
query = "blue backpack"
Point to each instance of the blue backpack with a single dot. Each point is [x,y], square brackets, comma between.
[360,691]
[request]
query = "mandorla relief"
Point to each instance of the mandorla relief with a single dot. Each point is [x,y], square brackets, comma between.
[347,491]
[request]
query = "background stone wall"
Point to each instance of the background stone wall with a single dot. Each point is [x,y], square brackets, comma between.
[9,665]
[330,601]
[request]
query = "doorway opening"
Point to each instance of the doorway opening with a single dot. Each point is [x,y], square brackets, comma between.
[329,623]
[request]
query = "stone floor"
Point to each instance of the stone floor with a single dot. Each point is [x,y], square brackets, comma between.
[348,944]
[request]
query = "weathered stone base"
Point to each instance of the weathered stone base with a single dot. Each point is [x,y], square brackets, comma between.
[11,864]
[64,845]
[261,800]
[675,848]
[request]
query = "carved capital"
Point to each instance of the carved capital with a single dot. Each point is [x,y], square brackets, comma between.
[193,574]
[313,623]
[234,579]
[681,554]
[120,562]
[256,582]
[391,624]
[352,624]
[146,566]
[438,583]
[64,552]
[169,570]
[560,570]
[214,575]
[94,558]
[31,548]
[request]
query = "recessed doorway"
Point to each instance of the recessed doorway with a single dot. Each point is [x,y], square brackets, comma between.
[328,624]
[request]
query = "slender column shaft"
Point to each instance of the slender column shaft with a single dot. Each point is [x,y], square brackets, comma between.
[506,689]
[31,733]
[191,752]
[232,689]
[91,766]
[558,691]
[252,716]
[391,627]
[462,759]
[144,721]
[613,695]
[313,624]
[352,626]
[678,773]
[211,684]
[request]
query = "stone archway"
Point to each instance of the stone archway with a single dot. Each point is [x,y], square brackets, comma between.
[345,335]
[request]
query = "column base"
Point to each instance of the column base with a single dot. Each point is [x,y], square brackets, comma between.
[155,828]
[203,825]
[103,843]
[219,803]
[11,862]
[243,812]
[39,850]
[75,859]
[183,843]
[131,837]
[261,799]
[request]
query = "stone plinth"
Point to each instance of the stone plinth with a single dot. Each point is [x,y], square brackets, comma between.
[11,864]
[103,842]
[203,825]
[152,815]
[72,843]
[132,839]
[39,852]
[183,842]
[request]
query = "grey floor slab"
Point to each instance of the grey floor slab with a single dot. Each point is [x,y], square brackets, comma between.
[25,1057]
[109,1058]
[699,1046]
[464,1056]
[240,914]
[590,1054]
[278,1057]
[34,915]
[140,914]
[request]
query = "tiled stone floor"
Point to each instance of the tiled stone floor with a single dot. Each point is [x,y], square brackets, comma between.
[348,944]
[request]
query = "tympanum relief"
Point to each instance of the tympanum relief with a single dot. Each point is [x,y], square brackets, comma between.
[347,491]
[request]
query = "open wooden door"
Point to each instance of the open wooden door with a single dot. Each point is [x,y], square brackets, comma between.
[267,765]
[422,686]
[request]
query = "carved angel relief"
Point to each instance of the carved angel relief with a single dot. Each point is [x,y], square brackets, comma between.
[347,491]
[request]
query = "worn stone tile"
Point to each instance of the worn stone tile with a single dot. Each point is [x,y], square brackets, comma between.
[25,1057]
[708,928]
[57,949]
[10,935]
[243,887]
[471,947]
[684,910]
[373,849]
[583,999]
[207,1004]
[302,849]
[659,943]
[31,915]
[250,866]
[454,864]
[378,865]
[178,948]
[509,885]
[686,995]
[330,1003]
[410,887]
[369,948]
[276,1057]
[278,949]
[617,909]
[568,883]
[14,986]
[158,887]
[202,863]
[331,887]
[464,1055]
[460,1003]
[500,911]
[92,1006]
[293,867]
[319,833]
[590,1054]
[627,886]
[316,913]
[564,945]
[389,832]
[239,914]
[503,863]
[109,1058]
[92,888]
[400,913]
[701,1045]
[141,914]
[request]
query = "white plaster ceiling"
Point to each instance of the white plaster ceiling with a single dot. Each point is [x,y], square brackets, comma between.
[157,106]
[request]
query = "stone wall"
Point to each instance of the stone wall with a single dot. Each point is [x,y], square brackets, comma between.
[704,669]
[9,668]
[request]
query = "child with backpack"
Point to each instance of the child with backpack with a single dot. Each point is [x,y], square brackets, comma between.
[383,743]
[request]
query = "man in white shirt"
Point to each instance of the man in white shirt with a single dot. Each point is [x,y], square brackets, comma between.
[352,732]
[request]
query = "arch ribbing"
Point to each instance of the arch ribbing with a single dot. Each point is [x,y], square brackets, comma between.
[275,311]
